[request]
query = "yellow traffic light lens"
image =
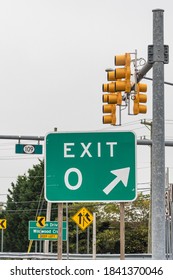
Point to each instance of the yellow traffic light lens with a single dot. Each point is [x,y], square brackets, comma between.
[112,99]
[120,59]
[105,98]
[142,98]
[117,86]
[142,109]
[118,73]
[120,85]
[123,59]
[112,87]
[142,87]
[111,76]
[139,109]
[109,119]
[139,97]
[105,87]
[107,108]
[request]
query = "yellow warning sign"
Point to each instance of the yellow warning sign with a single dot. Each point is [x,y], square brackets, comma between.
[83,218]
[41,221]
[3,224]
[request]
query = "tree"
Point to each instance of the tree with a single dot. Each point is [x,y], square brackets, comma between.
[22,206]
[136,226]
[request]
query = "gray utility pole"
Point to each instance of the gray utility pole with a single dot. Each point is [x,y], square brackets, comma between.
[159,55]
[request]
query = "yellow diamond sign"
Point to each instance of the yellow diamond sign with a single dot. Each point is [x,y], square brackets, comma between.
[83,218]
[3,223]
[41,220]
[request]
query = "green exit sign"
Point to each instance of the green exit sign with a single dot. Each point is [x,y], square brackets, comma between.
[91,166]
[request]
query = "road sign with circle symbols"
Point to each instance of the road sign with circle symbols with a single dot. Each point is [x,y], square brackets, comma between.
[28,149]
[90,166]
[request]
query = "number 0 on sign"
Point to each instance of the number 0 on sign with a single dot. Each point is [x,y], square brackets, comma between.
[90,166]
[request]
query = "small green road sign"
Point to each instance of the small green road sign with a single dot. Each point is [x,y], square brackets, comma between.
[90,166]
[49,232]
[29,149]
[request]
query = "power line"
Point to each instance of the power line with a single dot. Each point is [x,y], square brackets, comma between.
[15,157]
[166,83]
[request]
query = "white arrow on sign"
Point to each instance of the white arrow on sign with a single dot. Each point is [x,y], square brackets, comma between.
[121,175]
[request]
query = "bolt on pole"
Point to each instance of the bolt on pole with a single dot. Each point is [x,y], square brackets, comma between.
[158,140]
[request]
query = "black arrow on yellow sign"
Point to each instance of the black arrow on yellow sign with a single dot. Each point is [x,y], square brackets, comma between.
[3,224]
[41,221]
[87,216]
[83,218]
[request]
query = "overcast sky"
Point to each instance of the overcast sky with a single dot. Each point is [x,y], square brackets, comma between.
[53,56]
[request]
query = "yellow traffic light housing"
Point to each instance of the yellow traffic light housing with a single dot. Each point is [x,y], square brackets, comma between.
[111,118]
[112,99]
[120,85]
[139,98]
[118,74]
[119,82]
[124,59]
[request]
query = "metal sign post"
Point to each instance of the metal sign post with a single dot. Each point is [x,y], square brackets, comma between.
[160,56]
[94,236]
[122,232]
[60,220]
[2,240]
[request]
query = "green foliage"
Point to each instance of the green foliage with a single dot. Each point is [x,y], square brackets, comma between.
[22,204]
[136,238]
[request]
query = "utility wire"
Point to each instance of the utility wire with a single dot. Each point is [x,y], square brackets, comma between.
[166,83]
[40,203]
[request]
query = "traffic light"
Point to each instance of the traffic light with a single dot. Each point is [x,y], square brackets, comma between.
[120,77]
[111,118]
[139,98]
[112,99]
[109,109]
[119,82]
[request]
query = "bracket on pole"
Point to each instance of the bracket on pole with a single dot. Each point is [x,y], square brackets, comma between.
[154,54]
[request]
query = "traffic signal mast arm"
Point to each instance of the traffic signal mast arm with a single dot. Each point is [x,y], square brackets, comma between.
[143,71]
